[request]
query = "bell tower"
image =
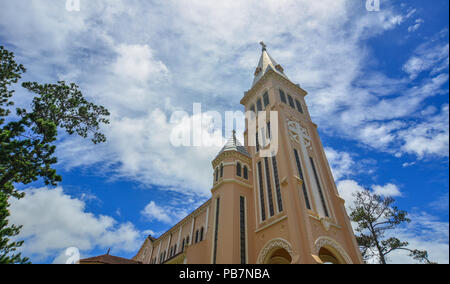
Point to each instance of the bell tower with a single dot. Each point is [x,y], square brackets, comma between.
[296,202]
[273,199]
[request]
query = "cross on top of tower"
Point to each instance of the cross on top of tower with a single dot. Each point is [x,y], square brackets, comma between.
[263,45]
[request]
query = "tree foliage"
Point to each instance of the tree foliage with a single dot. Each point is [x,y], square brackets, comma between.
[27,140]
[376,216]
[8,249]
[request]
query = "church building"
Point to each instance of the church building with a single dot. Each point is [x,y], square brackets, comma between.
[280,209]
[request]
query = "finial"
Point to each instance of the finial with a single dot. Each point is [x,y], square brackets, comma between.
[263,45]
[109,250]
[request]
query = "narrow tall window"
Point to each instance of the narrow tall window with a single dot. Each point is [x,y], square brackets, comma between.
[196,236]
[221,170]
[245,172]
[242,230]
[269,132]
[183,244]
[216,231]
[175,249]
[259,105]
[269,187]
[266,99]
[261,193]
[239,170]
[201,234]
[299,106]
[300,173]
[263,136]
[282,96]
[322,199]
[277,184]
[217,174]
[291,101]
[253,112]
[257,141]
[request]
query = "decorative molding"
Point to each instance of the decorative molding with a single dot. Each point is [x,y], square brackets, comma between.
[275,244]
[271,73]
[271,224]
[298,133]
[331,243]
[230,154]
[217,185]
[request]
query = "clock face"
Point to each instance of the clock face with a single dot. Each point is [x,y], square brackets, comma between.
[298,133]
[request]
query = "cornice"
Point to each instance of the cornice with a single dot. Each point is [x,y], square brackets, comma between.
[249,94]
[187,219]
[224,181]
[230,154]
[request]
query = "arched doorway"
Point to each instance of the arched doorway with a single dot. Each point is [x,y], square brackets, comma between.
[331,252]
[279,256]
[277,251]
[328,257]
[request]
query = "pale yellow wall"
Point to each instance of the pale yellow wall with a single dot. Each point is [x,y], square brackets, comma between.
[299,230]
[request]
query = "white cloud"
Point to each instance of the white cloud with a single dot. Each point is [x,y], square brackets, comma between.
[347,190]
[428,56]
[341,163]
[125,58]
[406,165]
[136,62]
[430,137]
[416,25]
[166,214]
[388,190]
[53,221]
[425,232]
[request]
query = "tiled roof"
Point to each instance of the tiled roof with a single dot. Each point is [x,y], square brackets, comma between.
[233,144]
[108,259]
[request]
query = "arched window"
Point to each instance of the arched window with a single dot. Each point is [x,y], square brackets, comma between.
[196,236]
[282,96]
[245,172]
[266,99]
[259,105]
[239,170]
[299,106]
[221,170]
[291,101]
[201,234]
[183,244]
[187,240]
[217,175]
[175,249]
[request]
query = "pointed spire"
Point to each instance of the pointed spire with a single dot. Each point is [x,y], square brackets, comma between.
[233,144]
[266,63]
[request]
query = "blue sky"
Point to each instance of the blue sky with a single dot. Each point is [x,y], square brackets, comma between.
[377,84]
